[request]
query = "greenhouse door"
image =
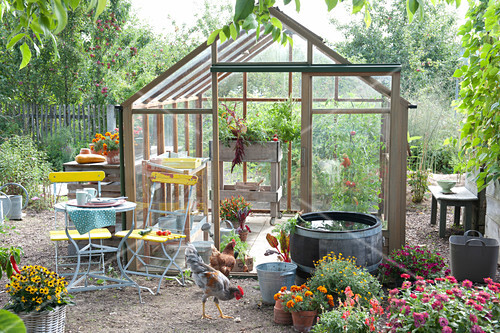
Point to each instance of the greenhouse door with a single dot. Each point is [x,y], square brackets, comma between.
[344,144]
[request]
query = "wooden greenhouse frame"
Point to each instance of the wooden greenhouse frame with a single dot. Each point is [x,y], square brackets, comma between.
[179,92]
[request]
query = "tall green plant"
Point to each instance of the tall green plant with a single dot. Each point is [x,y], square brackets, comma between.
[24,164]
[479,92]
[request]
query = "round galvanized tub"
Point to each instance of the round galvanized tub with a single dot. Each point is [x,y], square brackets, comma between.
[309,245]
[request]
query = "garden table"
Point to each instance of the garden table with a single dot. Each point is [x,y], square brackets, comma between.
[85,275]
[460,197]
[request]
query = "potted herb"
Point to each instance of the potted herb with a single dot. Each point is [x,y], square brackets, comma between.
[243,261]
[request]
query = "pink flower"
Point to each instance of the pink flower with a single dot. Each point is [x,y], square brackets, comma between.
[447,329]
[476,329]
[467,284]
[406,285]
[405,276]
[451,279]
[473,318]
[443,321]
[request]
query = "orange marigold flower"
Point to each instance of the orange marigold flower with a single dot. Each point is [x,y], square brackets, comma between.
[330,300]
[308,293]
[322,289]
[302,287]
[294,288]
[298,299]
[283,289]
[290,304]
[107,134]
[277,296]
[91,147]
[104,146]
[117,142]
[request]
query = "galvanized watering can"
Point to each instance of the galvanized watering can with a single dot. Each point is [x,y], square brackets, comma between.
[12,204]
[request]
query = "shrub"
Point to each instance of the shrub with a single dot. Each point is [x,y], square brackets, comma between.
[418,181]
[412,260]
[444,305]
[22,163]
[337,273]
[61,147]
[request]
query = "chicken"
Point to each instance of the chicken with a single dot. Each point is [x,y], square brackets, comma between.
[212,282]
[225,261]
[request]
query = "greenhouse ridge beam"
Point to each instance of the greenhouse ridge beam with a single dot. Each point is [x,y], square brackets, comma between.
[383,69]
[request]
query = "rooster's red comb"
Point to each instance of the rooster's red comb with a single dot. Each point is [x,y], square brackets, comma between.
[241,290]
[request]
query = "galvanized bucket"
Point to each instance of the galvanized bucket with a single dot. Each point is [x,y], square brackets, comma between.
[274,275]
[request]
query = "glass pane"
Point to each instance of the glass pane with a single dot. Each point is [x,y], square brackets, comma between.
[344,92]
[347,168]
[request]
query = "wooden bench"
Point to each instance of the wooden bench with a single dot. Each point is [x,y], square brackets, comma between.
[460,197]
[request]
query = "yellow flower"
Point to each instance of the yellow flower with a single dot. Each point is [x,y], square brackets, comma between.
[290,304]
[308,293]
[322,289]
[277,296]
[298,299]
[107,134]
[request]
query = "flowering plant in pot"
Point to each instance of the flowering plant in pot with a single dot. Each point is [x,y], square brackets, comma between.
[229,207]
[412,260]
[243,228]
[444,305]
[106,144]
[35,289]
[280,243]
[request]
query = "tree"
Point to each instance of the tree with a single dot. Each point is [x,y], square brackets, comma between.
[37,21]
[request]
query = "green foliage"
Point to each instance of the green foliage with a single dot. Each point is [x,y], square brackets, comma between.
[47,19]
[8,127]
[61,147]
[22,163]
[418,181]
[11,322]
[241,247]
[336,273]
[347,152]
[480,137]
[5,263]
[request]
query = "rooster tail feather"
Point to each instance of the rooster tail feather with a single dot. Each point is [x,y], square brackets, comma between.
[194,260]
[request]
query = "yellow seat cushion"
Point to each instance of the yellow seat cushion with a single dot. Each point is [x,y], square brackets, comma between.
[60,235]
[152,236]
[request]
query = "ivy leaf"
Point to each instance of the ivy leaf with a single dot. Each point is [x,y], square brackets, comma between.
[242,9]
[25,51]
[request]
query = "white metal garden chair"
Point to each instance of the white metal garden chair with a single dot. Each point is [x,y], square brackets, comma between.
[143,255]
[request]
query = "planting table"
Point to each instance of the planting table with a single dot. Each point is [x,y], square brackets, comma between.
[460,197]
[260,152]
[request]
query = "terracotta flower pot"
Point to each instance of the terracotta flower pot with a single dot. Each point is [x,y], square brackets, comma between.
[304,320]
[243,235]
[281,316]
[113,157]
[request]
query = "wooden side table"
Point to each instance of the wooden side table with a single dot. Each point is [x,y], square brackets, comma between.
[461,197]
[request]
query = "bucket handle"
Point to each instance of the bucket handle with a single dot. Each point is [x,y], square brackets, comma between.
[9,206]
[475,239]
[230,223]
[22,188]
[466,234]
[287,273]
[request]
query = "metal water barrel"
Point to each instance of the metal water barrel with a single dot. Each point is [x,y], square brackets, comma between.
[307,246]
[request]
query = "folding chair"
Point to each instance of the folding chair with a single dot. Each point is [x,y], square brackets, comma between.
[61,235]
[142,255]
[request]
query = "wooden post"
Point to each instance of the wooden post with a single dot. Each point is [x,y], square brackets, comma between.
[215,151]
[245,88]
[396,215]
[289,155]
[306,144]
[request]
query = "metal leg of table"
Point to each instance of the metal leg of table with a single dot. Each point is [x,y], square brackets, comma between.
[442,218]
[433,210]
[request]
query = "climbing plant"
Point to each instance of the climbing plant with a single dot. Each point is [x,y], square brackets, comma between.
[480,91]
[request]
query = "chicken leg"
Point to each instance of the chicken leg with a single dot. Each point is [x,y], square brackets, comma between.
[205,316]
[223,316]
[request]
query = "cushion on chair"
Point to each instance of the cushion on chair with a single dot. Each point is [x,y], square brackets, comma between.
[60,235]
[152,236]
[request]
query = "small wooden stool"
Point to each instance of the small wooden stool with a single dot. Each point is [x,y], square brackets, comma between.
[460,197]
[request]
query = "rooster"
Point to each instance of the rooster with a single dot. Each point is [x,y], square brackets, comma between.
[224,261]
[213,282]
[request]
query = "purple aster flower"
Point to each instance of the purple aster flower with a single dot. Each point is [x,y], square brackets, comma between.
[443,321]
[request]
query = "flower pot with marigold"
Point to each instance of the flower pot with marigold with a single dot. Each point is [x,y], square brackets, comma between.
[107,145]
